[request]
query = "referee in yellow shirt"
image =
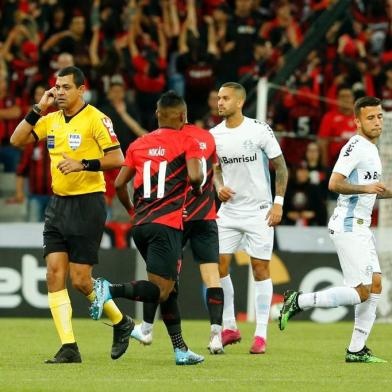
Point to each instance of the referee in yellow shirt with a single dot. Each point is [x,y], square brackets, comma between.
[82,143]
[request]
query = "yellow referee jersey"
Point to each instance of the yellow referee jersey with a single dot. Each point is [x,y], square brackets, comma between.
[86,135]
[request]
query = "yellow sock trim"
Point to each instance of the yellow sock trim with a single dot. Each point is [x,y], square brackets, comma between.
[91,296]
[60,307]
[110,308]
[112,311]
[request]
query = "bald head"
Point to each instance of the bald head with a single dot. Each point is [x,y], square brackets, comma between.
[65,60]
[171,110]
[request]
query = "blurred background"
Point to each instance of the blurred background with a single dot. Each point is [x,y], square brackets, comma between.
[302,63]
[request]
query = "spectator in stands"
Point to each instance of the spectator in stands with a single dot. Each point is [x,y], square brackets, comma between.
[56,21]
[384,87]
[170,18]
[10,113]
[224,33]
[298,114]
[283,31]
[266,61]
[197,63]
[125,119]
[317,171]
[374,14]
[108,46]
[35,166]
[63,60]
[304,205]
[211,118]
[20,50]
[245,29]
[337,126]
[149,59]
[123,114]
[73,41]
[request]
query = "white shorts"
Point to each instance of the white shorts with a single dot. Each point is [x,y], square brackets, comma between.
[250,233]
[357,256]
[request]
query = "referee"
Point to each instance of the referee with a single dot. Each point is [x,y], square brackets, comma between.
[81,144]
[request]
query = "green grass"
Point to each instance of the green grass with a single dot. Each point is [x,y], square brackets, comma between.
[305,357]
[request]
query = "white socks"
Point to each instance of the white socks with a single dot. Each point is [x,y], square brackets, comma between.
[216,329]
[263,298]
[146,328]
[228,304]
[329,298]
[365,314]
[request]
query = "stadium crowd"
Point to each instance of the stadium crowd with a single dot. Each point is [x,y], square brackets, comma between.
[132,51]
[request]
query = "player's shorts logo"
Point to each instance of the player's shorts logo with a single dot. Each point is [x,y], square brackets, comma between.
[74,140]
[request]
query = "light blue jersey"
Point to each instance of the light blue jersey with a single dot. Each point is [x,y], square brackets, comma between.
[360,162]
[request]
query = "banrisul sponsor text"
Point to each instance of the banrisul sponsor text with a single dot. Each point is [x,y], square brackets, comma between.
[241,159]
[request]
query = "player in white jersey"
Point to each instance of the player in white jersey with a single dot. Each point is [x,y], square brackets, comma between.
[356,177]
[247,215]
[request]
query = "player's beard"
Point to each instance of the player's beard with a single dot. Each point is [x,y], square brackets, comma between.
[226,113]
[372,133]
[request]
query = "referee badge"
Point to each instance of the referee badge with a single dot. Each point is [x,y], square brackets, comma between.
[50,142]
[74,140]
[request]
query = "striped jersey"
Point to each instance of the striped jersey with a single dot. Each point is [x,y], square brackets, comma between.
[202,207]
[161,178]
[244,153]
[35,164]
[360,162]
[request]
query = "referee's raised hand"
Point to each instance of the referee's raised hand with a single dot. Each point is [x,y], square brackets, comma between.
[48,99]
[69,165]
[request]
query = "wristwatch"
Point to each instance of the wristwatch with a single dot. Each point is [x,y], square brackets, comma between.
[85,164]
[37,109]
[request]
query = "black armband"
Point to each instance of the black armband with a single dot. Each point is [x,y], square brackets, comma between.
[32,117]
[91,164]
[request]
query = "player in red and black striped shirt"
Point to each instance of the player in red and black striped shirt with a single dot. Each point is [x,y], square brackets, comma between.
[161,164]
[35,164]
[201,230]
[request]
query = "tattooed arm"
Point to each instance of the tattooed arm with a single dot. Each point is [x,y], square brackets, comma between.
[282,175]
[274,215]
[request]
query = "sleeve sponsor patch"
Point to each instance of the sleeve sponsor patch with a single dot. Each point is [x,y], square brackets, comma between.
[350,147]
[107,122]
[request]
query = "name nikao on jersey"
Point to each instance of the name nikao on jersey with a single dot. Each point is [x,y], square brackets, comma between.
[157,152]
[242,159]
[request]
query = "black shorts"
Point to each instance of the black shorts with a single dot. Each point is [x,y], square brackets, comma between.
[203,238]
[75,224]
[160,247]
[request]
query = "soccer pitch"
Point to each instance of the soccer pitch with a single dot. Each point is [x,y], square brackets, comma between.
[305,357]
